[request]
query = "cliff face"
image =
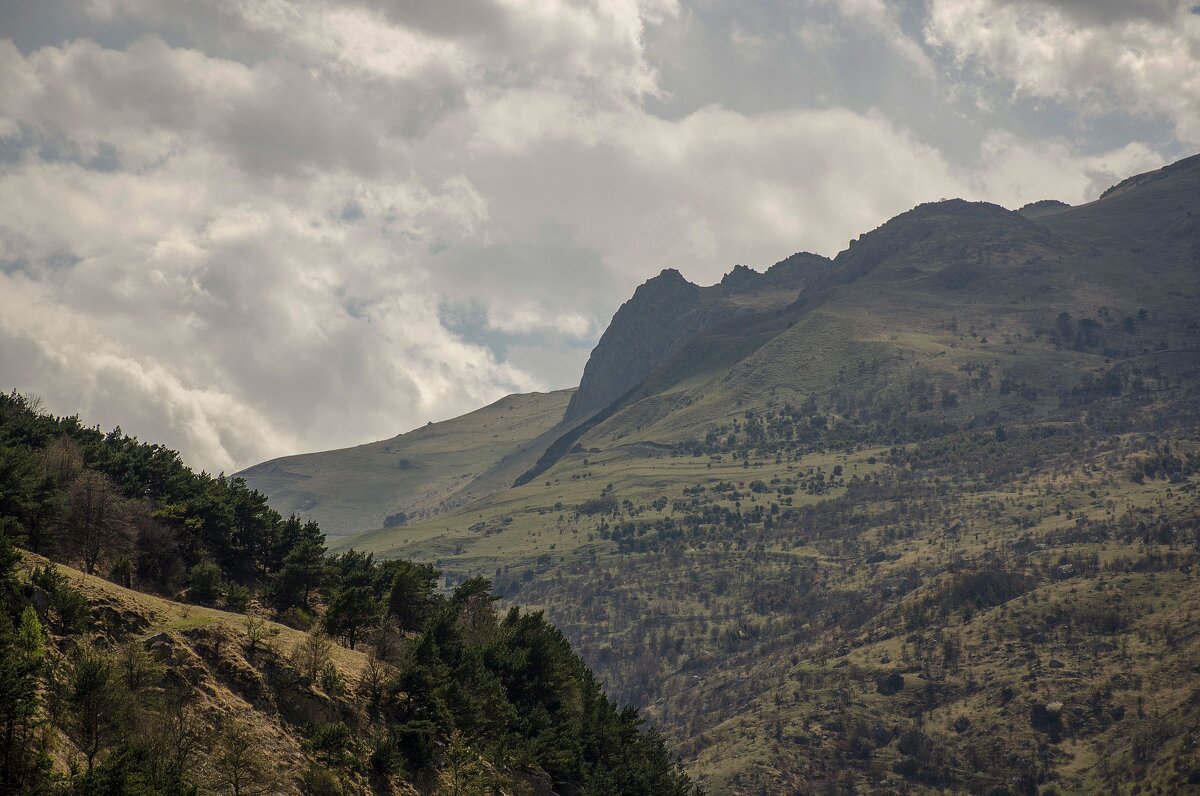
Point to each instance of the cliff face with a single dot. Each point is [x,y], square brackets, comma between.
[648,328]
[668,311]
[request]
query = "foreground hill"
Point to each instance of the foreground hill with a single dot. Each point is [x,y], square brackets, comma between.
[927,522]
[423,471]
[136,683]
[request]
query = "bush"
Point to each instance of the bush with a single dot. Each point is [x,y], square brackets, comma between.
[320,781]
[331,680]
[204,582]
[69,606]
[298,618]
[237,597]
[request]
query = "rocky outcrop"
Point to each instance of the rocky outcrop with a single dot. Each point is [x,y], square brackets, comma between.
[1043,207]
[662,314]
[668,311]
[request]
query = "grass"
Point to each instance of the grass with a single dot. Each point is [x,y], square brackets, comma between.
[762,695]
[161,615]
[418,473]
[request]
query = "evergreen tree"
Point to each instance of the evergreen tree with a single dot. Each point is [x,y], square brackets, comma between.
[351,613]
[412,594]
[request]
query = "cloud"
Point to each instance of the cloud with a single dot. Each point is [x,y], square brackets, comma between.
[191,293]
[882,19]
[252,227]
[1017,172]
[1138,58]
[255,271]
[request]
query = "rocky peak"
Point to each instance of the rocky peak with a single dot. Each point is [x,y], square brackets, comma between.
[797,271]
[740,277]
[944,231]
[646,329]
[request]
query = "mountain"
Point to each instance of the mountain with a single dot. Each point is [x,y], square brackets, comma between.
[919,518]
[936,293]
[446,465]
[424,471]
[668,311]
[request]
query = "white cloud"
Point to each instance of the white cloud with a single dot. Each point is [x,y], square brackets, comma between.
[195,293]
[527,318]
[252,227]
[254,276]
[1141,58]
[1017,172]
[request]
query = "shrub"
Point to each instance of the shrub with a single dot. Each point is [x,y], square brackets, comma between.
[204,582]
[237,597]
[320,781]
[331,680]
[297,618]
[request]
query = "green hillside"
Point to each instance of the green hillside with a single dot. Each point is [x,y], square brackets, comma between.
[414,474]
[930,524]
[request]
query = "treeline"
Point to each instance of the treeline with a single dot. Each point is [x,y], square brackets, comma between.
[133,512]
[450,684]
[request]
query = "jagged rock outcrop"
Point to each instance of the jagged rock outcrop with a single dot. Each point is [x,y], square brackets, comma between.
[662,314]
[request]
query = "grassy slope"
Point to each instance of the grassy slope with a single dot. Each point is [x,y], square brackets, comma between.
[155,615]
[817,693]
[515,527]
[754,699]
[207,647]
[420,472]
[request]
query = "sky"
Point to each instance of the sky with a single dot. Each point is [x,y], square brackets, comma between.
[251,228]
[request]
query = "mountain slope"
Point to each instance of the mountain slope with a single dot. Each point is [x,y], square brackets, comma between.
[416,473]
[942,291]
[927,523]
[110,690]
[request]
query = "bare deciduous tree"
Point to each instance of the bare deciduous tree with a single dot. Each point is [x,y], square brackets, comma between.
[97,520]
[311,654]
[238,766]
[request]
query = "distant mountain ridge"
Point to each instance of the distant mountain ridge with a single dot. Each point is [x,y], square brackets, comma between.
[656,373]
[414,474]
